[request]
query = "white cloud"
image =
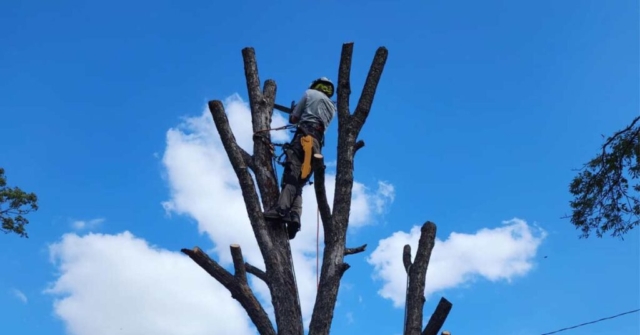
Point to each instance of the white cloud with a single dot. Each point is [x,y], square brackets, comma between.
[20,295]
[86,224]
[501,253]
[204,186]
[118,284]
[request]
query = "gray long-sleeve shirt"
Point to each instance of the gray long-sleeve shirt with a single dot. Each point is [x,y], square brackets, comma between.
[315,107]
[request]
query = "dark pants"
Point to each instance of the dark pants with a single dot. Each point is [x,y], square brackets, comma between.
[292,181]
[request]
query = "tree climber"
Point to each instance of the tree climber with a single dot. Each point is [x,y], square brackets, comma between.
[312,114]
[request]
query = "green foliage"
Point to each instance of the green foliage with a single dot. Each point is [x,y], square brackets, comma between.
[14,204]
[603,199]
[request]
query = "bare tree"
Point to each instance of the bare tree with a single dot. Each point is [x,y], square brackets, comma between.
[273,241]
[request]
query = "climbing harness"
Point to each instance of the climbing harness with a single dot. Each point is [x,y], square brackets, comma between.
[275,159]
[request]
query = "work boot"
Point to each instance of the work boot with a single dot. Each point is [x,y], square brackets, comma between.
[293,224]
[275,214]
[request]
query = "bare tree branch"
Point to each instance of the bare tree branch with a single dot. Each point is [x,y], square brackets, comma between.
[261,104]
[239,290]
[417,275]
[438,317]
[321,192]
[238,263]
[353,251]
[406,258]
[344,83]
[246,158]
[369,90]
[359,145]
[256,272]
[618,133]
[252,203]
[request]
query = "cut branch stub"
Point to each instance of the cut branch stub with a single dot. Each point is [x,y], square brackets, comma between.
[353,251]
[406,258]
[438,317]
[238,263]
[359,145]
[417,275]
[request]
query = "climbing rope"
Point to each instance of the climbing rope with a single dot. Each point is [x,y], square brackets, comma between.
[289,126]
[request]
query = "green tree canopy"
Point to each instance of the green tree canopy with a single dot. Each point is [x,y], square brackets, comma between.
[604,199]
[14,204]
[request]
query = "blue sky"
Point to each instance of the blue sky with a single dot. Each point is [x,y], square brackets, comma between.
[483,110]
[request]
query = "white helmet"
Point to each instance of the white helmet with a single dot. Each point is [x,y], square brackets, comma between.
[324,85]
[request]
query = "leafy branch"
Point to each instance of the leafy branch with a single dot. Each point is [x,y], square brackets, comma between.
[604,200]
[14,204]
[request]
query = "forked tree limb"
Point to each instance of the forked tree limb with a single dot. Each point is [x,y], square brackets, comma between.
[333,266]
[349,129]
[333,254]
[253,83]
[320,189]
[353,251]
[239,290]
[438,317]
[261,104]
[277,255]
[417,275]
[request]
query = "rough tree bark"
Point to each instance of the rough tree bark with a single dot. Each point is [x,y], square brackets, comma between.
[273,242]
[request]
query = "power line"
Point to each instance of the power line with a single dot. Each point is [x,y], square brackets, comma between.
[591,322]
